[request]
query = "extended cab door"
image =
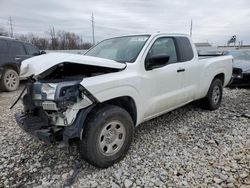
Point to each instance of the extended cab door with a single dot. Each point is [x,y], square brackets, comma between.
[163,83]
[191,68]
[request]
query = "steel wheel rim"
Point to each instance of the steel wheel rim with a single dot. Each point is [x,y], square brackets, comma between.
[11,80]
[112,138]
[216,94]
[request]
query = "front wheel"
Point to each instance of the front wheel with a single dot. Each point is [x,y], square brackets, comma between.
[107,136]
[214,96]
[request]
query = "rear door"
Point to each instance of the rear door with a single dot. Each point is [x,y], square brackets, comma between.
[17,52]
[4,58]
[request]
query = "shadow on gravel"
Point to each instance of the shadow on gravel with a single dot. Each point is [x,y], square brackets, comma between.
[47,165]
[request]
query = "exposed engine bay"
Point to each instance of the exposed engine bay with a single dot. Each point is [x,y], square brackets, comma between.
[54,98]
[73,71]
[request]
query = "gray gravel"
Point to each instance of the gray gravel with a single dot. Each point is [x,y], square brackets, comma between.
[188,147]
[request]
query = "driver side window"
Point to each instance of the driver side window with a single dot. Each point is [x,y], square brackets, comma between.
[164,46]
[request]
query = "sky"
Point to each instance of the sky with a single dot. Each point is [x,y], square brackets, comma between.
[214,21]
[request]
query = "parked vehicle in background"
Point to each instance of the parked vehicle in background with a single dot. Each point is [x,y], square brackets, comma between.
[241,67]
[100,97]
[12,53]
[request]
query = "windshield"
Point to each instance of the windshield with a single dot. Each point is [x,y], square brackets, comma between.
[121,49]
[241,55]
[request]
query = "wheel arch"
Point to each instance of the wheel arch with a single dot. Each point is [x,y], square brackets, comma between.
[125,102]
[12,66]
[220,76]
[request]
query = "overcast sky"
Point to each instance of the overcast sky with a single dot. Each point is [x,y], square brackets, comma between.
[213,20]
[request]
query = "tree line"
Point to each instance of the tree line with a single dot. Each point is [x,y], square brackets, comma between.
[55,40]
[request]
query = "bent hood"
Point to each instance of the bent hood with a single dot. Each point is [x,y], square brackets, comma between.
[39,64]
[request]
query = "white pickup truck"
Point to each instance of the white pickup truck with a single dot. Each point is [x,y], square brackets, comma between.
[100,97]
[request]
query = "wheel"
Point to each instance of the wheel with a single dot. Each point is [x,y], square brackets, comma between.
[9,80]
[107,136]
[213,99]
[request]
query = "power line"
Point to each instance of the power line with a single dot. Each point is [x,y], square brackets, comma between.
[93,27]
[11,28]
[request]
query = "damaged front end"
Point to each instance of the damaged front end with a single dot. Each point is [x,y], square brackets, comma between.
[56,104]
[51,110]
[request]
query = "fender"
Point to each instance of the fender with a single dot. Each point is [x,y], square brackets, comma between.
[209,78]
[125,90]
[210,71]
[75,130]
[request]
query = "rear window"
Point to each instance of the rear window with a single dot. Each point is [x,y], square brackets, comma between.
[16,48]
[185,49]
[31,50]
[3,47]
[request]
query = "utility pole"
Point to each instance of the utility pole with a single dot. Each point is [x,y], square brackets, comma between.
[191,28]
[11,28]
[53,37]
[93,27]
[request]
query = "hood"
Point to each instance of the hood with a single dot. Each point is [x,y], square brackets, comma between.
[242,64]
[39,64]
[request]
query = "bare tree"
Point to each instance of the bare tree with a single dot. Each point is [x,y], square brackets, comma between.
[69,40]
[60,40]
[40,42]
[23,38]
[54,41]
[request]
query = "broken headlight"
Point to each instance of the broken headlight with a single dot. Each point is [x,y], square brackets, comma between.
[49,89]
[52,96]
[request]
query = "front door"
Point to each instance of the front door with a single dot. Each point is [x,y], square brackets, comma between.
[163,84]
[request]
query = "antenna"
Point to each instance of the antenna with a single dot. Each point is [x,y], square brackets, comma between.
[191,28]
[11,28]
[93,28]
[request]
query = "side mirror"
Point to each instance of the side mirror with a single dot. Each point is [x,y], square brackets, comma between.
[156,61]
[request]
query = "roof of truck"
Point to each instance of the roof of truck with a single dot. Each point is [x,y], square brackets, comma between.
[152,34]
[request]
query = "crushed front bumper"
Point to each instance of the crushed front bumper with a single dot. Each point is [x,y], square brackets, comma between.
[39,127]
[36,127]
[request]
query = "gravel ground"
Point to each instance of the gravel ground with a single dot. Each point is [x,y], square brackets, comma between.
[188,147]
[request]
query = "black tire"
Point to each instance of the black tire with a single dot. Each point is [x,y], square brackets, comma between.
[9,80]
[214,96]
[93,137]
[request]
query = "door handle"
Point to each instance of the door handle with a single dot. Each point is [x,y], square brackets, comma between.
[17,58]
[181,70]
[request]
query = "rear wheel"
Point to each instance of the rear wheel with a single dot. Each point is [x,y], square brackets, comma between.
[9,80]
[214,96]
[107,136]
